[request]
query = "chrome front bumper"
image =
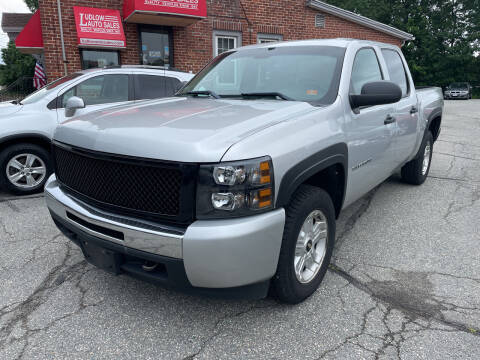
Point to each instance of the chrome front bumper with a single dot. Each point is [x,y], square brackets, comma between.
[135,235]
[215,253]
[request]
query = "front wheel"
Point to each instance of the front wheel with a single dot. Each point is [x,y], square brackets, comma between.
[416,171]
[307,244]
[24,168]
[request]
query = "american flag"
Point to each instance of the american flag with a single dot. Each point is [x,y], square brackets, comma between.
[39,79]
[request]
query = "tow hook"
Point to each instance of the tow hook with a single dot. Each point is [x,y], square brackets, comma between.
[149,266]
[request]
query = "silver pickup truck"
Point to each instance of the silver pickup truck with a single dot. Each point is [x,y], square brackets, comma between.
[232,187]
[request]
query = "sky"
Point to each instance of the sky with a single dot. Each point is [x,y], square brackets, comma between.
[10,6]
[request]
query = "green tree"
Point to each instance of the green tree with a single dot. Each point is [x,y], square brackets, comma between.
[446,35]
[32,4]
[15,65]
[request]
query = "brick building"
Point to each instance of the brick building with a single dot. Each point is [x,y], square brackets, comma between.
[184,34]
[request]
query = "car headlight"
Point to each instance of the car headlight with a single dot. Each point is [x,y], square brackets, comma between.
[234,189]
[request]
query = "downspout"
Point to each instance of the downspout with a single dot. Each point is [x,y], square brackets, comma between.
[250,27]
[61,38]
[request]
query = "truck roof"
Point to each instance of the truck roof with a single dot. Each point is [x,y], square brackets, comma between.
[338,42]
[170,70]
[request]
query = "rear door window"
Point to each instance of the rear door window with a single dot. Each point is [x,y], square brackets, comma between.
[396,69]
[154,87]
[365,69]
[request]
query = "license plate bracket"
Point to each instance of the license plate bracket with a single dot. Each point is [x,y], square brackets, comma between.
[102,258]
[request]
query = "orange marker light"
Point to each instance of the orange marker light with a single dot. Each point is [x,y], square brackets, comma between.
[265,196]
[265,172]
[265,192]
[264,166]
[264,179]
[263,204]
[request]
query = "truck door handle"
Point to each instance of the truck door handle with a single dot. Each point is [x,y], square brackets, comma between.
[389,120]
[413,110]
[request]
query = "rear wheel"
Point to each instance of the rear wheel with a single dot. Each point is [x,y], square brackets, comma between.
[307,244]
[416,171]
[24,168]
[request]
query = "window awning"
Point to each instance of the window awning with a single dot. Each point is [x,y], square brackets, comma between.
[30,40]
[99,28]
[164,12]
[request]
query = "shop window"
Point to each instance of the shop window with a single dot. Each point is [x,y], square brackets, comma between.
[153,87]
[102,89]
[155,46]
[268,38]
[225,40]
[99,58]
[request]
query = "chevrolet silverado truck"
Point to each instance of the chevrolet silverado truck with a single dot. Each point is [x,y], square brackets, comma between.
[232,187]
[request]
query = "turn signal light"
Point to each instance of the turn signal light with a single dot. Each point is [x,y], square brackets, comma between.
[261,199]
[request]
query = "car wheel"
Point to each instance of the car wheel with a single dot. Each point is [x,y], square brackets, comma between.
[416,171]
[307,244]
[24,168]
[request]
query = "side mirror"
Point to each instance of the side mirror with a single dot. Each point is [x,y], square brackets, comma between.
[376,93]
[72,105]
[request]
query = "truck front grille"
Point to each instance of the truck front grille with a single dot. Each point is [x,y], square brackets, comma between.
[127,185]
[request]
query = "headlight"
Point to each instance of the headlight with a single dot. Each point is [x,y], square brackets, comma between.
[234,189]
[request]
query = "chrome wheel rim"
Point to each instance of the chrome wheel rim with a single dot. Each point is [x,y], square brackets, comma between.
[26,171]
[311,246]
[426,159]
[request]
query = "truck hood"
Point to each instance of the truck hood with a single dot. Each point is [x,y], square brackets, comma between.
[182,129]
[7,108]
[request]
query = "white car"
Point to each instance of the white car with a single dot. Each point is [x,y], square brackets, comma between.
[27,126]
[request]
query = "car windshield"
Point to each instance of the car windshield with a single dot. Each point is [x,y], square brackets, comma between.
[300,73]
[39,94]
[462,86]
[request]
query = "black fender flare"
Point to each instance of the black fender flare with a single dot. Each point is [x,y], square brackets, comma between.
[299,173]
[436,113]
[25,137]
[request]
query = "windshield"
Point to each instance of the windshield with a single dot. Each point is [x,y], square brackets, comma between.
[300,73]
[39,94]
[462,86]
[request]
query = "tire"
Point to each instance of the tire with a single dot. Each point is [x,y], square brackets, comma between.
[41,159]
[286,285]
[413,172]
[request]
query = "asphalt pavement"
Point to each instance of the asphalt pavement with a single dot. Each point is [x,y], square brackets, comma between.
[404,283]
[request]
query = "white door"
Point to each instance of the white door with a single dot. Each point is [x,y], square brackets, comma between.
[97,92]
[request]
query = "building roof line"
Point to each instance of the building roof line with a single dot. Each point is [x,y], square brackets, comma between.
[359,19]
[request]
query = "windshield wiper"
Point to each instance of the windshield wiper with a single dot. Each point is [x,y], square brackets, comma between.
[268,94]
[15,102]
[202,92]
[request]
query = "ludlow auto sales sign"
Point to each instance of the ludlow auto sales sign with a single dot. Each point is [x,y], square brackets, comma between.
[99,27]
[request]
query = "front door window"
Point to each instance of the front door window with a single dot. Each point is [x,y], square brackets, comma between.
[155,47]
[103,89]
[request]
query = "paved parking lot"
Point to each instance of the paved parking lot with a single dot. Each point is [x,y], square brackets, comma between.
[405,283]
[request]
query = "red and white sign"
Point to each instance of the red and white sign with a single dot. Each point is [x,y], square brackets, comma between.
[99,27]
[192,8]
